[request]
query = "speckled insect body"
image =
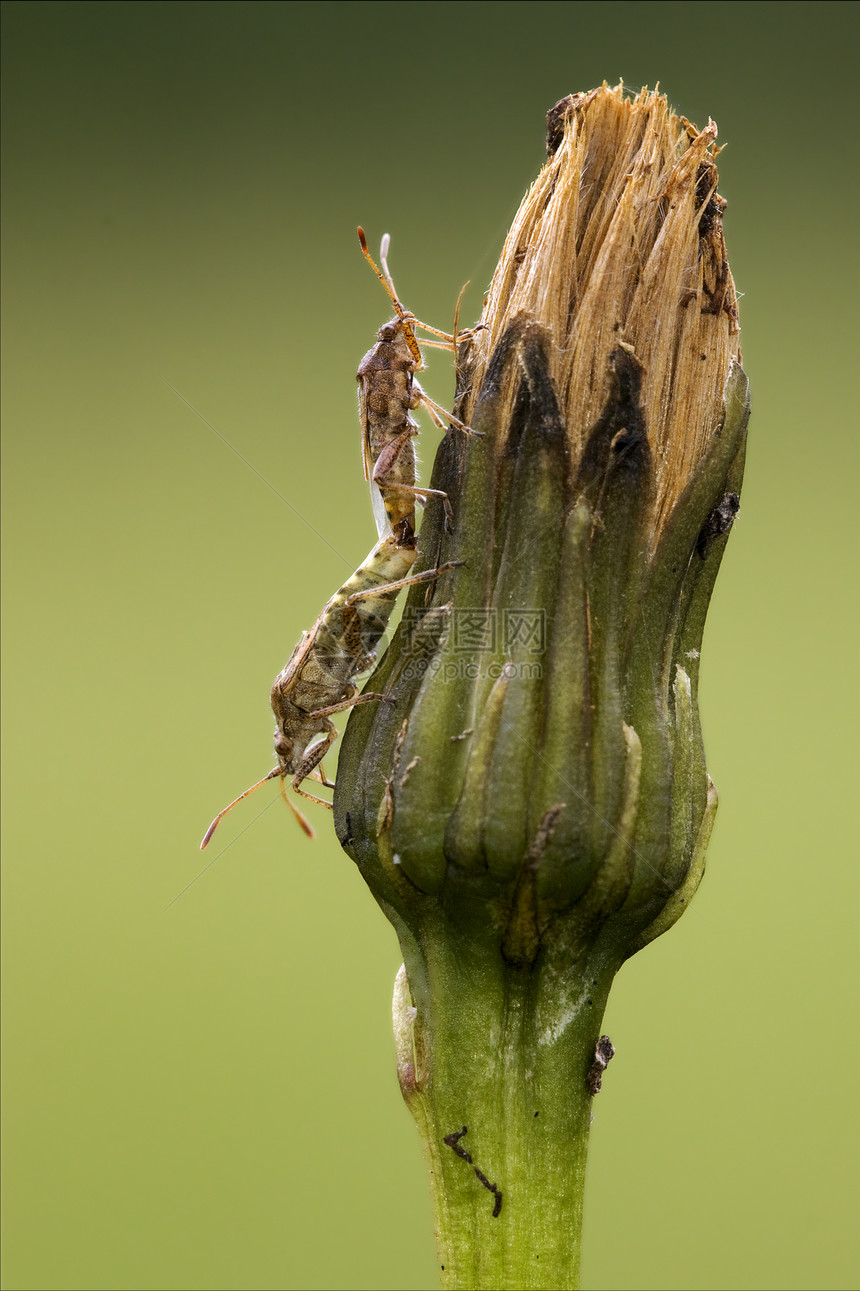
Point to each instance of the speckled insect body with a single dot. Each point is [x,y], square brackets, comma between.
[318,679]
[388,393]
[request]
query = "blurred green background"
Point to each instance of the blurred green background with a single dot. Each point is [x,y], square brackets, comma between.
[203,1096]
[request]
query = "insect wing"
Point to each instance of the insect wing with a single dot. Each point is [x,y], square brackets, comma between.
[380,514]
[366,452]
[289,674]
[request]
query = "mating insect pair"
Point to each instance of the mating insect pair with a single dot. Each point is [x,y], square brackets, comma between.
[318,680]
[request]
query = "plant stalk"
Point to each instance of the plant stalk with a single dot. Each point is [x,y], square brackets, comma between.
[495,1075]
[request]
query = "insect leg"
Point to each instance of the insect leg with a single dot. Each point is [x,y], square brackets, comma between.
[385,463]
[435,412]
[427,576]
[423,494]
[437,345]
[350,703]
[449,341]
[311,797]
[321,776]
[309,764]
[391,452]
[434,331]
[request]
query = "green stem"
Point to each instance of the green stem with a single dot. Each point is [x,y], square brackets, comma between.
[493,1063]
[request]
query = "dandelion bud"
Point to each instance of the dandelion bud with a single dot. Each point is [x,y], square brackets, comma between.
[534,806]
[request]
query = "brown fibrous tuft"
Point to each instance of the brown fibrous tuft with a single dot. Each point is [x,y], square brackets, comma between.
[620,241]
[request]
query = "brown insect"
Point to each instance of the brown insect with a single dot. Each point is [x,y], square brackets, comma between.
[387,394]
[318,678]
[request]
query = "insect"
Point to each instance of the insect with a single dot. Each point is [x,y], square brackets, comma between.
[318,678]
[387,393]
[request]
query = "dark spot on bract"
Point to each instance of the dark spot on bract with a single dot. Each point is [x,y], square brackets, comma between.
[719,522]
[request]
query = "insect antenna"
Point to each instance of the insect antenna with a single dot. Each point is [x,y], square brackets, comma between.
[211,830]
[384,247]
[303,821]
[386,280]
